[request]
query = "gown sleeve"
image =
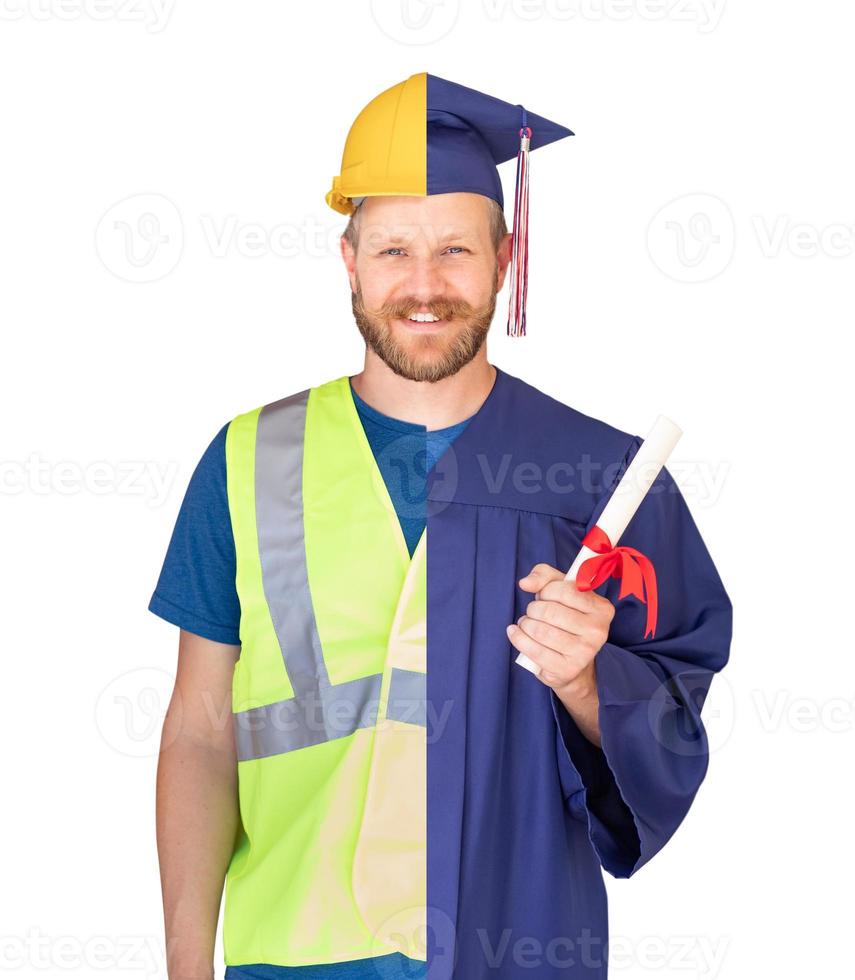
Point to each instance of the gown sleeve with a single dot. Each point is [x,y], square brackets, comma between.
[636,789]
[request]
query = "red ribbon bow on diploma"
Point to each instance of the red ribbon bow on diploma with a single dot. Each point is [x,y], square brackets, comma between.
[635,571]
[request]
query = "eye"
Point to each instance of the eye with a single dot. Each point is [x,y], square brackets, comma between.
[393,249]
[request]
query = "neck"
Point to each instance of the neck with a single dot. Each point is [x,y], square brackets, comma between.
[434,404]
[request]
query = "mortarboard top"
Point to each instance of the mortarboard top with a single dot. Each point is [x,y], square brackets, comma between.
[428,135]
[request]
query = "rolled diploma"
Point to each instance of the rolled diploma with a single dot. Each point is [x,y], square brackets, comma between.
[627,496]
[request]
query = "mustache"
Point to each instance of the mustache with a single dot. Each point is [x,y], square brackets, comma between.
[443,309]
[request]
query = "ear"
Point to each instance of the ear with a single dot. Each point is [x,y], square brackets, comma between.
[503,258]
[349,259]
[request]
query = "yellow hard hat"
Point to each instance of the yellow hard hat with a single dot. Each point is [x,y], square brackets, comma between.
[386,147]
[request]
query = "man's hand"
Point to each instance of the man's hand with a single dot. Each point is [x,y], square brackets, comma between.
[562,631]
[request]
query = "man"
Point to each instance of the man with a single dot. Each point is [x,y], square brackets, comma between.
[351,745]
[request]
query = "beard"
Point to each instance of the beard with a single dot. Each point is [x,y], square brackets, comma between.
[429,357]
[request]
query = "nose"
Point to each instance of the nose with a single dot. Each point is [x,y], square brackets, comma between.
[425,281]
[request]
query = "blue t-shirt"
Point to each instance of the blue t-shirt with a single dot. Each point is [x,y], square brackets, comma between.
[405,453]
[196,591]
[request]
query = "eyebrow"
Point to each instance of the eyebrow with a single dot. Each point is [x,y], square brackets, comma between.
[459,236]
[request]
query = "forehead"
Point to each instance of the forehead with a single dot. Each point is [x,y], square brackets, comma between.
[433,218]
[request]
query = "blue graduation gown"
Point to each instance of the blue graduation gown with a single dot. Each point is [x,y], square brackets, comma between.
[524,811]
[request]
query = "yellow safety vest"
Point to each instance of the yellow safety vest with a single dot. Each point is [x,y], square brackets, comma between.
[328,696]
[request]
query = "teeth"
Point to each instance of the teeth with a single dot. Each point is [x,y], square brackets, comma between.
[424,318]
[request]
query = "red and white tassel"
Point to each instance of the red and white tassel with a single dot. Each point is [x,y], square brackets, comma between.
[519,256]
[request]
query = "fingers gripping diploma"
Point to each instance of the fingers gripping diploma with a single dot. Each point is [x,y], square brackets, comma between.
[562,631]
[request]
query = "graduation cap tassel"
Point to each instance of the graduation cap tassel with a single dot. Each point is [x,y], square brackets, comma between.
[519,255]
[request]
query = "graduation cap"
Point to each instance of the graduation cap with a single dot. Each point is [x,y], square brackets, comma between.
[427,135]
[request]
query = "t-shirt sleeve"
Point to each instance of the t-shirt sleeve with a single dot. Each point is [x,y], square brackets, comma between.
[196,588]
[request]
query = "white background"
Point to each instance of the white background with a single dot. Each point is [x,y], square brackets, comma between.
[168,261]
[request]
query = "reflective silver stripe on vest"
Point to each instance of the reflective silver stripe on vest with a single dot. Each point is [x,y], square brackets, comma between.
[282,541]
[319,711]
[309,719]
[407,692]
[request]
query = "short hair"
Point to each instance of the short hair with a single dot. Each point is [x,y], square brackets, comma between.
[498,225]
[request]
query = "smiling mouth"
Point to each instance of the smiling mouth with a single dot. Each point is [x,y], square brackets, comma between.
[422,326]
